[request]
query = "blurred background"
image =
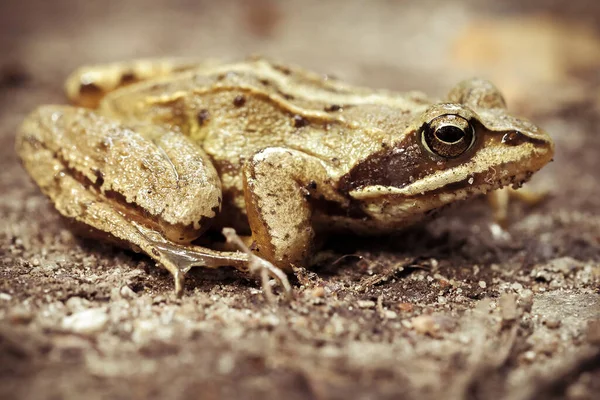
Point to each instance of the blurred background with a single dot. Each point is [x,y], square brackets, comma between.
[526,47]
[544,55]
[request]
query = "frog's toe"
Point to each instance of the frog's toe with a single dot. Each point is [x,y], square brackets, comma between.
[258,265]
[179,278]
[263,267]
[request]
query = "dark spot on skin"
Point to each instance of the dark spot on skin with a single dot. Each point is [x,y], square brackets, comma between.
[220,77]
[89,88]
[264,82]
[312,185]
[304,192]
[384,144]
[333,107]
[239,100]
[128,78]
[99,177]
[283,69]
[300,121]
[203,116]
[155,252]
[285,95]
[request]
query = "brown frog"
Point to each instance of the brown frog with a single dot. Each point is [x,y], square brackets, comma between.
[159,151]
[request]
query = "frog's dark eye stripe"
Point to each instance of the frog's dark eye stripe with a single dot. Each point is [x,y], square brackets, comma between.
[448,136]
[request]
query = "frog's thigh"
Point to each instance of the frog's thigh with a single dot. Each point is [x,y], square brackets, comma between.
[106,175]
[87,85]
[278,184]
[146,171]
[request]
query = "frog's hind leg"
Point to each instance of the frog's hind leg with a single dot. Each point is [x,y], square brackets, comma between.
[155,191]
[87,85]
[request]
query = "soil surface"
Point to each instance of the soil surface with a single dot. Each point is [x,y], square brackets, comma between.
[452,309]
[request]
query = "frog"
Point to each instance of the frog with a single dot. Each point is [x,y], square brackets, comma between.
[156,154]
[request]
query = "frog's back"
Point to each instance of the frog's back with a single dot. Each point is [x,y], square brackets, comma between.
[237,109]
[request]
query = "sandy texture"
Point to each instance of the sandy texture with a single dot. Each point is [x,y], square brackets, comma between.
[452,309]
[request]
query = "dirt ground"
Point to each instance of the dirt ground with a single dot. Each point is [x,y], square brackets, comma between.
[451,309]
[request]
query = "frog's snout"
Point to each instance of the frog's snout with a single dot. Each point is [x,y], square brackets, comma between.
[540,145]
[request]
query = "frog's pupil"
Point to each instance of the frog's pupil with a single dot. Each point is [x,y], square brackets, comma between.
[449,134]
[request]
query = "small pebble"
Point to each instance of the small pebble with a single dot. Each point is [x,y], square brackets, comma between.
[5,296]
[529,355]
[482,284]
[508,307]
[20,315]
[86,322]
[593,332]
[425,324]
[77,303]
[552,323]
[365,303]
[270,321]
[319,291]
[127,293]
[406,323]
[226,364]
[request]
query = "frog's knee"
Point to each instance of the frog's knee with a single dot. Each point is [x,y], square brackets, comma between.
[271,157]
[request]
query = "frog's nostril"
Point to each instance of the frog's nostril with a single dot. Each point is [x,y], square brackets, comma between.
[513,138]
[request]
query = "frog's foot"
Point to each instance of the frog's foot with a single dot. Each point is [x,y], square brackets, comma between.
[257,265]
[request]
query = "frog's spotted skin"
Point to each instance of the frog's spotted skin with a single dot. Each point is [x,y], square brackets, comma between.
[165,150]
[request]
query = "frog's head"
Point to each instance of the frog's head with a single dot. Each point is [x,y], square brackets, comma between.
[466,146]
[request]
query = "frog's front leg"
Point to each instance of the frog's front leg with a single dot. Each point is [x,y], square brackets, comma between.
[499,201]
[87,85]
[279,184]
[148,187]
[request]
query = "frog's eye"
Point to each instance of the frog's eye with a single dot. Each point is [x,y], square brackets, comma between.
[448,136]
